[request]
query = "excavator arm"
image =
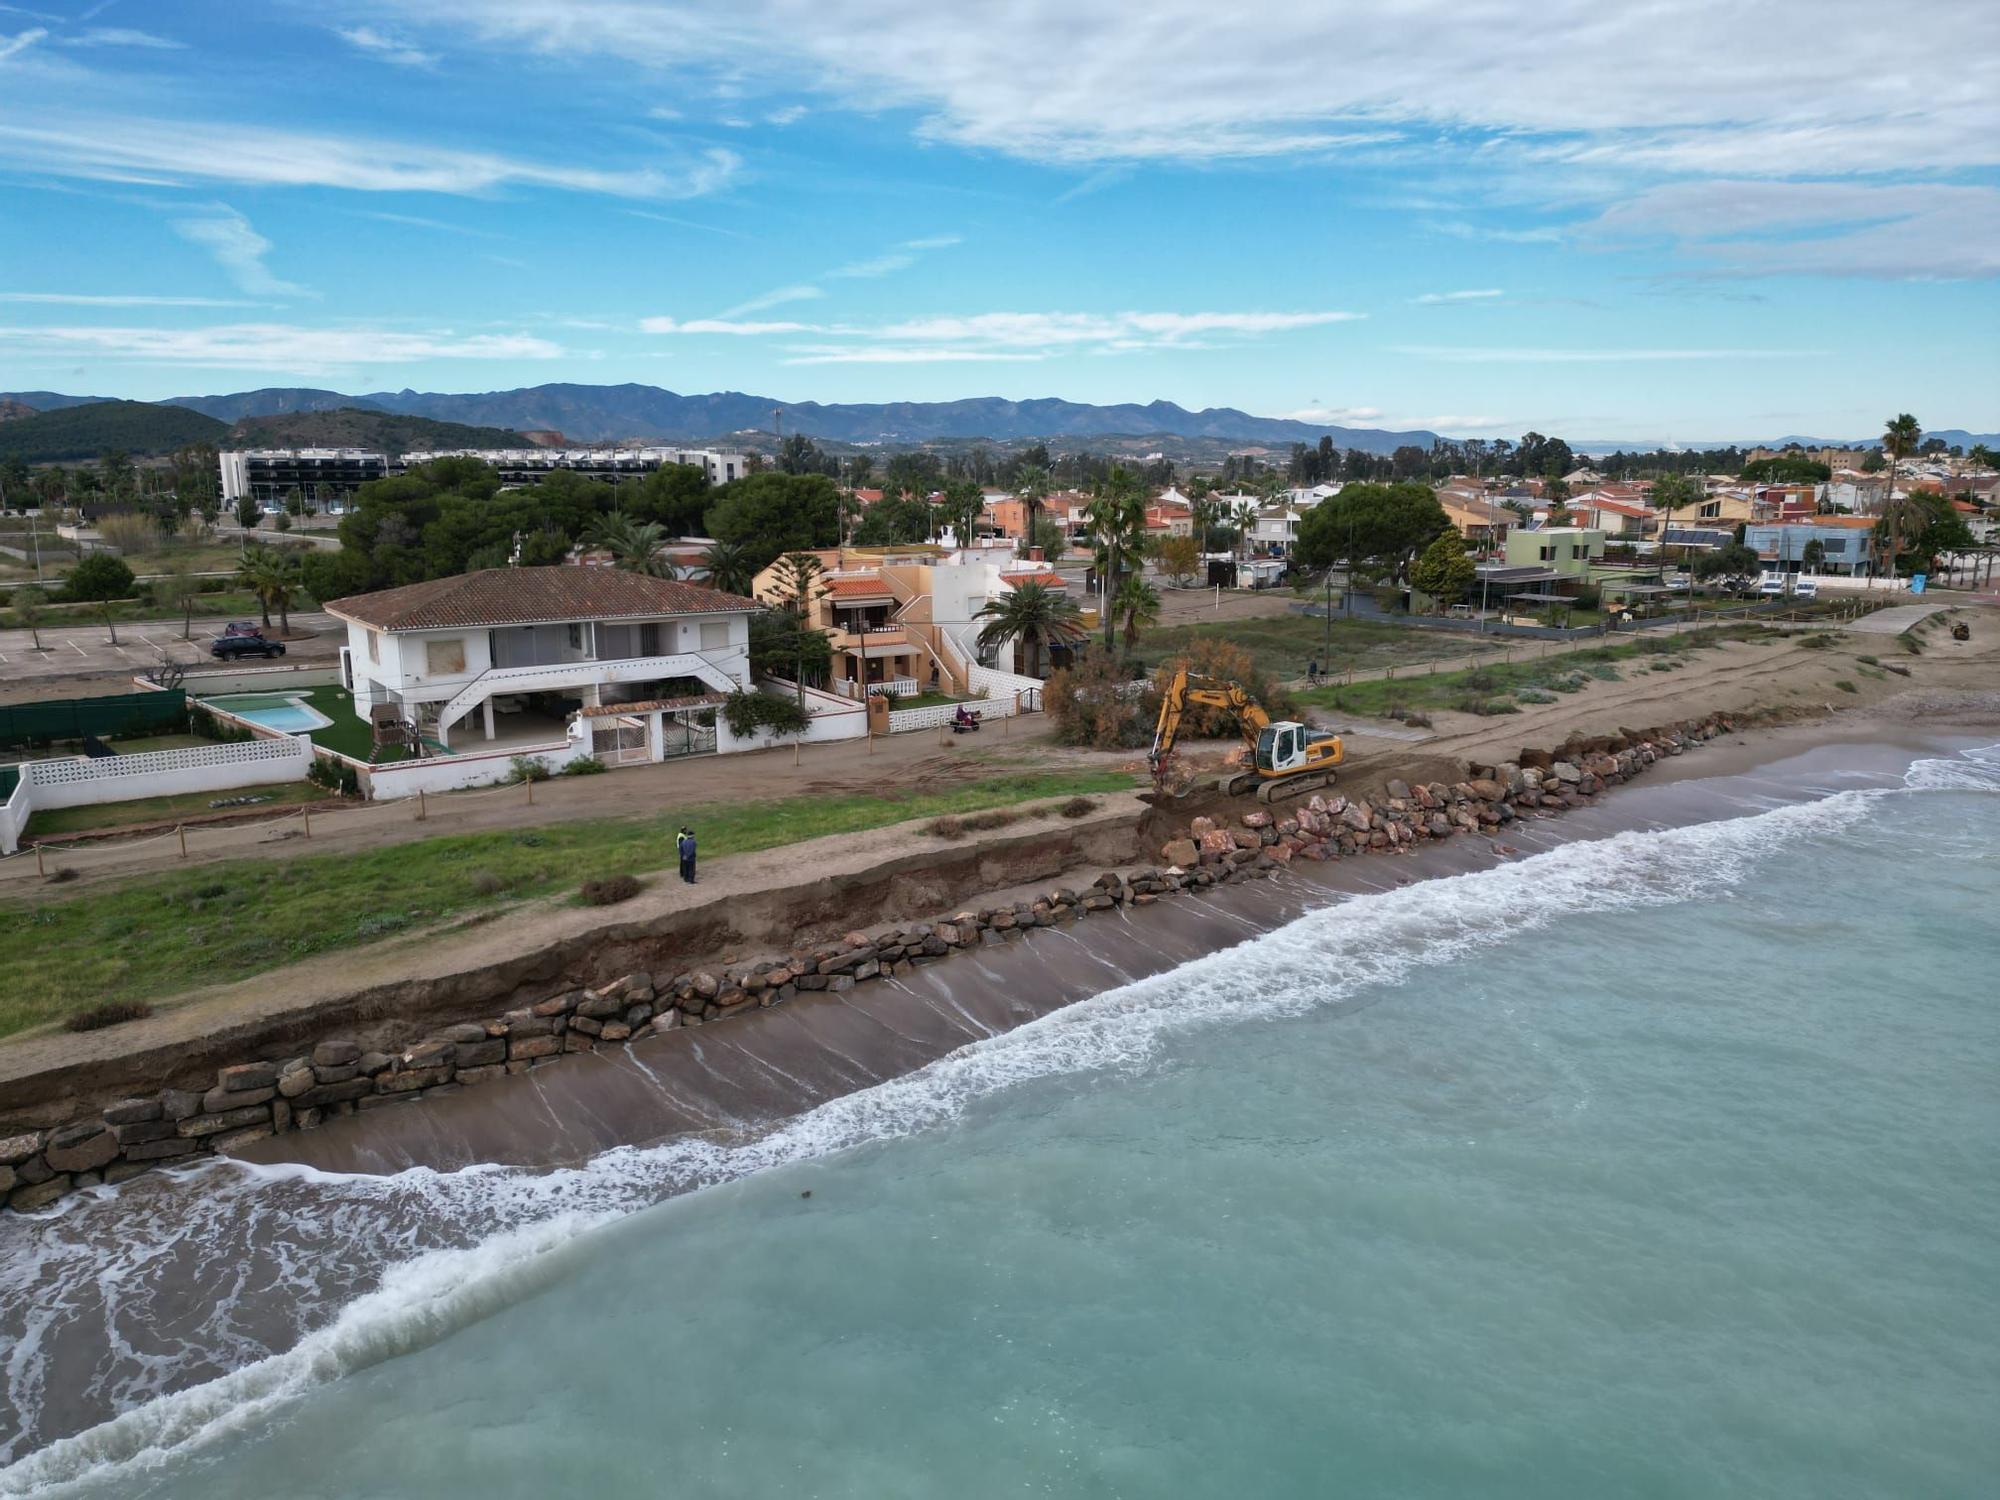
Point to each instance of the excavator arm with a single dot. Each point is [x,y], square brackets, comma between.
[1183,690]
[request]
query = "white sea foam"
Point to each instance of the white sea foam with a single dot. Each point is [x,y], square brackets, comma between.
[517,1224]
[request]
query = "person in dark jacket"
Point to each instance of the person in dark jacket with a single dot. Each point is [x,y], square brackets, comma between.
[686,846]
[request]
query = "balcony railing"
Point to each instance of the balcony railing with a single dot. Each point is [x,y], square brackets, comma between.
[869,641]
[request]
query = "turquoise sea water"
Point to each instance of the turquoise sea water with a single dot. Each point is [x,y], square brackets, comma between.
[1660,1166]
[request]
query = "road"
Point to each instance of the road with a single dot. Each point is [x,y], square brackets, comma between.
[1892,621]
[73,653]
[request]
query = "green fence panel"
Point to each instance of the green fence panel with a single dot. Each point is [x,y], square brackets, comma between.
[73,718]
[10,777]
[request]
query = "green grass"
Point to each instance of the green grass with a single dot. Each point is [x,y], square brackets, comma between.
[1282,645]
[927,700]
[1553,674]
[166,933]
[60,820]
[348,734]
[141,744]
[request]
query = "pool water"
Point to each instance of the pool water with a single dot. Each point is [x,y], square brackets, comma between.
[274,711]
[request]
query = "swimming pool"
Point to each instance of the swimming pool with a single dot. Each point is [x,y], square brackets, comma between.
[280,711]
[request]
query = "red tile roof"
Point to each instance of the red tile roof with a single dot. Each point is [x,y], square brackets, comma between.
[533,596]
[857,588]
[1048,579]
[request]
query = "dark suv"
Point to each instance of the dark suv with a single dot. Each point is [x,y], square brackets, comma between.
[232,647]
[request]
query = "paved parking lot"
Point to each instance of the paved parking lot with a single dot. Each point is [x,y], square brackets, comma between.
[84,652]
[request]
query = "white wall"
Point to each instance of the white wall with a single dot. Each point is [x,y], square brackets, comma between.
[80,781]
[256,680]
[450,773]
[832,719]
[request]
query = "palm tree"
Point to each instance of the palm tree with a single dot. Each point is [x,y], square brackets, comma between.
[1032,486]
[636,546]
[1117,519]
[963,504]
[1900,437]
[1030,614]
[1137,604]
[729,567]
[275,578]
[1243,516]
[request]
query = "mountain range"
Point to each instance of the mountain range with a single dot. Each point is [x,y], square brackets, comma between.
[631,412]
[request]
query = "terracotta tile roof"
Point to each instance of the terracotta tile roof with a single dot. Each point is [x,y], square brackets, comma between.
[1049,579]
[532,596]
[857,588]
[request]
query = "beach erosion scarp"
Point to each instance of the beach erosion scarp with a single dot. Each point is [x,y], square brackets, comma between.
[406,1044]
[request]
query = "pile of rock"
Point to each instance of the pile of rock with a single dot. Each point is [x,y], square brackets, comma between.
[254,1100]
[1539,784]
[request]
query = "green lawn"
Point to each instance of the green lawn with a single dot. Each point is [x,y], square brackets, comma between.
[1282,645]
[166,933]
[60,820]
[140,744]
[1503,682]
[348,734]
[926,700]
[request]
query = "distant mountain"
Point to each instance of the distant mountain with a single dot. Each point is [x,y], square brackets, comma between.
[51,400]
[271,401]
[87,430]
[609,413]
[1952,437]
[358,427]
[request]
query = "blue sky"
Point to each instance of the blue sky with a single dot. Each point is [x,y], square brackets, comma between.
[1682,221]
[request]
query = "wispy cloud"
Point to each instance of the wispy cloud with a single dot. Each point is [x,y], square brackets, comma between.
[277,346]
[1459,229]
[1338,416]
[127,149]
[123,36]
[646,213]
[1478,356]
[791,114]
[776,297]
[21,41]
[838,354]
[417,221]
[900,258]
[1433,298]
[1035,335]
[239,249]
[117,299]
[385,47]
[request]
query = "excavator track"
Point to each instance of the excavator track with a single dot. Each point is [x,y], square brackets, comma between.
[1284,789]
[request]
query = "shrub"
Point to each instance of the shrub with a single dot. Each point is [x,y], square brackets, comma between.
[946,828]
[1095,704]
[1869,661]
[99,576]
[1912,645]
[611,890]
[62,876]
[1846,687]
[1535,695]
[1819,640]
[1078,807]
[527,768]
[997,817]
[209,727]
[335,776]
[1605,672]
[486,883]
[747,711]
[585,765]
[1487,708]
[109,1014]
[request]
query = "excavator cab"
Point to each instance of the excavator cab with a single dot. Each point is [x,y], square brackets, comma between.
[1281,747]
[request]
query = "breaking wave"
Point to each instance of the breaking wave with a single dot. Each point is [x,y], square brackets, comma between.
[385,1266]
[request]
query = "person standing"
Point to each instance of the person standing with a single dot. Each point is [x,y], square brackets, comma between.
[687,850]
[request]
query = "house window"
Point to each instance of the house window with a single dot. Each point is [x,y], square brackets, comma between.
[649,638]
[445,658]
[576,638]
[714,635]
[375,648]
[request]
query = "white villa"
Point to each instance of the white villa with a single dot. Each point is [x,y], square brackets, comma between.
[512,654]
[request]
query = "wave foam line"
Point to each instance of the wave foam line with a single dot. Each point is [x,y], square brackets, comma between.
[1327,956]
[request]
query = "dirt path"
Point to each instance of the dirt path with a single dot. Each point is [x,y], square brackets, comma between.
[917,762]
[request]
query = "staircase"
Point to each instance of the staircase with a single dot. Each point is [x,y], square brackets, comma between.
[572,674]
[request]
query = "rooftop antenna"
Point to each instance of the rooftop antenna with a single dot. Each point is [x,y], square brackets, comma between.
[778,421]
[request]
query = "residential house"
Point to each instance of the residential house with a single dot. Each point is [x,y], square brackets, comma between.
[1846,542]
[1577,553]
[1275,531]
[1480,520]
[1619,519]
[1726,507]
[510,654]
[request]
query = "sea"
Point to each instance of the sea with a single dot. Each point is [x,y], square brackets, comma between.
[1659,1163]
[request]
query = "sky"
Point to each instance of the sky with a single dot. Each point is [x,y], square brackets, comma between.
[1680,221]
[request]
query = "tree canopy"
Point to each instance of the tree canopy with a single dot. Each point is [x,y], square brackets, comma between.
[1385,524]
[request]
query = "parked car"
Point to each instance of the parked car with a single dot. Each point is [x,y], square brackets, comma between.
[243,627]
[231,647]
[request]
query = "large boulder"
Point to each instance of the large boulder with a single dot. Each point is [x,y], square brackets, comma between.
[1180,852]
[82,1147]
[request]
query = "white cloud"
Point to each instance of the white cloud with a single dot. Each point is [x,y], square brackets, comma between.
[117,299]
[1901,231]
[777,297]
[791,114]
[901,258]
[1030,335]
[1432,298]
[124,149]
[836,354]
[417,221]
[1338,416]
[1458,229]
[276,346]
[21,41]
[238,249]
[123,36]
[1679,84]
[1476,356]
[726,326]
[387,48]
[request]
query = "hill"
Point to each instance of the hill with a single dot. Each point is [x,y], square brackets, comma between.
[90,430]
[12,410]
[269,401]
[358,427]
[603,413]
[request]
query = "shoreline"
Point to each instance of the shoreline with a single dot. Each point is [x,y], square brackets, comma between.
[329,1223]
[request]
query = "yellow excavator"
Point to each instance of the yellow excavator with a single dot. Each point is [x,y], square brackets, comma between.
[1286,760]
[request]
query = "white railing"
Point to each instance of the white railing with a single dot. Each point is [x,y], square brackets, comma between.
[83,781]
[902,720]
[577,673]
